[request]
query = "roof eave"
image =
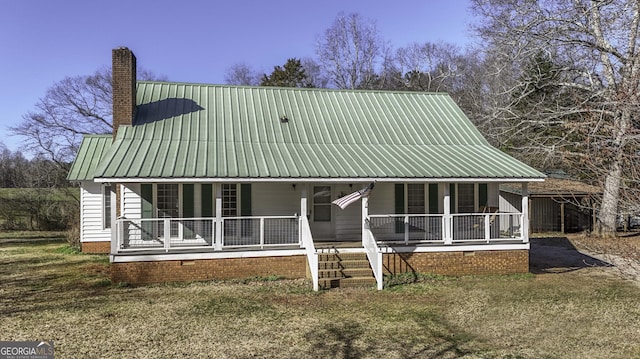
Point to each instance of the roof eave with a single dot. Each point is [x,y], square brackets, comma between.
[320,179]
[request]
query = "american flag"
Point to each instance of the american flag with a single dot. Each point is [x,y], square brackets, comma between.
[343,202]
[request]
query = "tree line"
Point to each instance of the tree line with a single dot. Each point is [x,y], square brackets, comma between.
[555,84]
[16,171]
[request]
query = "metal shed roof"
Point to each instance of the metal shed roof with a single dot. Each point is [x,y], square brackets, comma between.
[89,154]
[196,131]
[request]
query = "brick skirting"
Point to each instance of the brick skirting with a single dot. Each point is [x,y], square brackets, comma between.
[96,247]
[207,269]
[458,263]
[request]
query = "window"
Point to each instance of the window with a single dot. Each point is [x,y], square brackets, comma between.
[168,201]
[106,207]
[466,198]
[415,198]
[229,200]
[168,204]
[322,204]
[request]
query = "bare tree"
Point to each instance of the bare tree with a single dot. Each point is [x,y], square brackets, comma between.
[569,80]
[71,108]
[429,66]
[242,74]
[350,51]
[314,72]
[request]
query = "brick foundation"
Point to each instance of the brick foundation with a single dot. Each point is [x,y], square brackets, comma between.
[458,263]
[207,269]
[96,247]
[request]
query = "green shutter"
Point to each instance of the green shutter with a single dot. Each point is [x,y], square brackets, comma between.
[146,195]
[452,193]
[188,210]
[399,206]
[433,198]
[187,201]
[483,197]
[206,200]
[245,199]
[399,198]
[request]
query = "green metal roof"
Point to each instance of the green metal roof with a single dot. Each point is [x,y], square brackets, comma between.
[89,154]
[212,131]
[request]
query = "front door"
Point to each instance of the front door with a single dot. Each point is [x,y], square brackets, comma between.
[321,221]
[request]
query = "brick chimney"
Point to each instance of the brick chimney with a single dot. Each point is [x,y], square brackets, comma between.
[123,82]
[124,87]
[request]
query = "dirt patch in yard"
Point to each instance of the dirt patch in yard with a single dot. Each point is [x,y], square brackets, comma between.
[619,256]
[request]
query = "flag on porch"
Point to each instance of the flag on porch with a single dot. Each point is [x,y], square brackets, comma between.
[343,202]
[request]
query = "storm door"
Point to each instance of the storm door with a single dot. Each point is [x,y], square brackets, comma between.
[321,221]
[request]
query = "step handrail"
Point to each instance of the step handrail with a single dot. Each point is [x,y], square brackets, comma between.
[310,249]
[374,254]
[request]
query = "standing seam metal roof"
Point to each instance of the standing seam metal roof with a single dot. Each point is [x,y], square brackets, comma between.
[91,150]
[211,131]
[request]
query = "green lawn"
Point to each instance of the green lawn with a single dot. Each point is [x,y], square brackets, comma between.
[50,292]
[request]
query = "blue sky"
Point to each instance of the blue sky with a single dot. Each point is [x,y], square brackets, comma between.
[44,41]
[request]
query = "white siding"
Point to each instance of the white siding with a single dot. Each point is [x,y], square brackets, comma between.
[492,194]
[132,203]
[510,202]
[91,228]
[381,199]
[275,199]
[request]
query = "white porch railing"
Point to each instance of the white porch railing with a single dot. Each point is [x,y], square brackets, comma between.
[181,233]
[310,249]
[259,231]
[486,227]
[443,229]
[374,254]
[427,228]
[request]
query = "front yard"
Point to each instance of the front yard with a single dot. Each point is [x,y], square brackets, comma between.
[565,310]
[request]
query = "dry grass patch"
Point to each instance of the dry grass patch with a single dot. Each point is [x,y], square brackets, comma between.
[49,292]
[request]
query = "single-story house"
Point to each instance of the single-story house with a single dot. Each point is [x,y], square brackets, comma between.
[203,182]
[556,205]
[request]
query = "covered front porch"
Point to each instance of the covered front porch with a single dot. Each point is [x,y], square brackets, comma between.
[272,232]
[383,222]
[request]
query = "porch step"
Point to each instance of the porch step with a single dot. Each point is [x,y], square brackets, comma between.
[344,270]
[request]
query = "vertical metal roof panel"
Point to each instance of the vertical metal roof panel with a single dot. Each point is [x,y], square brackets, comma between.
[208,131]
[90,152]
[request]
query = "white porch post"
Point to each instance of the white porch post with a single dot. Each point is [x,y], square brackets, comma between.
[116,233]
[166,223]
[218,234]
[525,213]
[365,215]
[303,211]
[446,218]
